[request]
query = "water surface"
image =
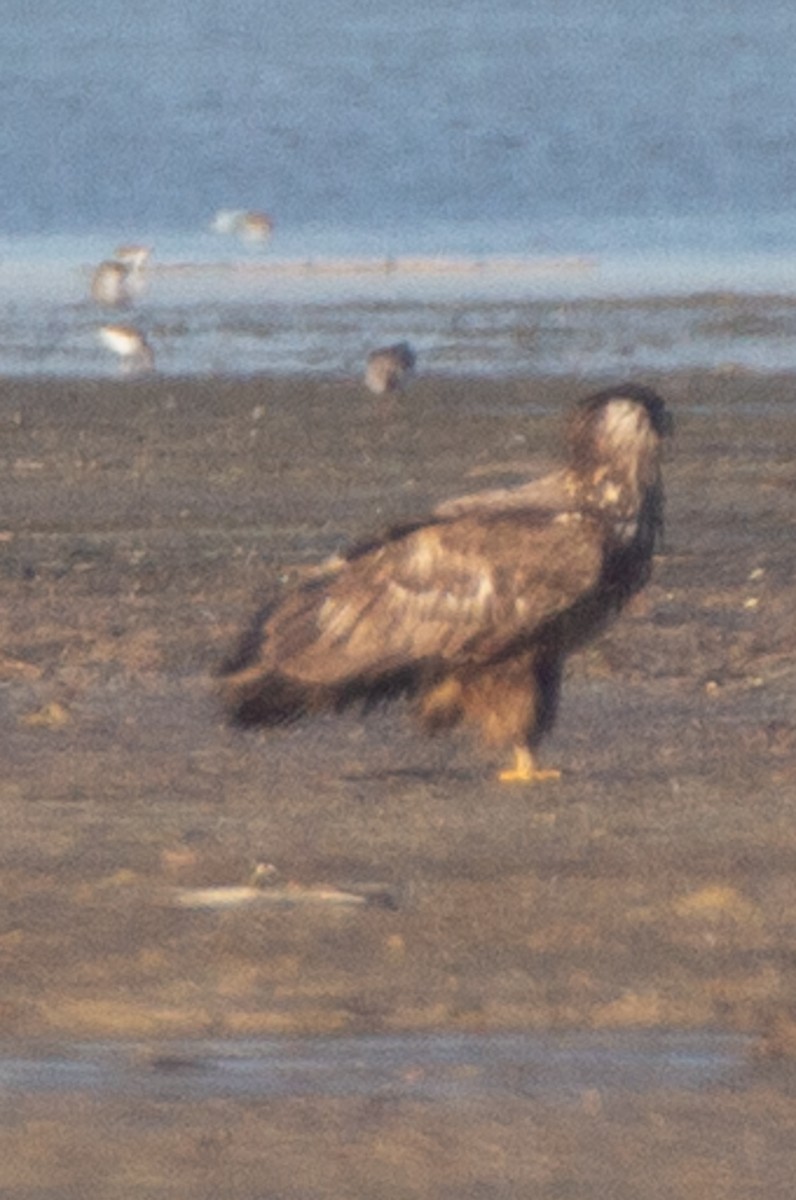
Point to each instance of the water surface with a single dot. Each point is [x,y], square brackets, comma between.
[432,1067]
[422,163]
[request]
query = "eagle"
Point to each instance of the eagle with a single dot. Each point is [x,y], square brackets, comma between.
[472,611]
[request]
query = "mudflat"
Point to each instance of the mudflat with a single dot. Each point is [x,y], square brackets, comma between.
[653,888]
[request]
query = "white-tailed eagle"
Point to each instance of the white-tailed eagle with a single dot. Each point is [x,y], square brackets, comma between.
[472,611]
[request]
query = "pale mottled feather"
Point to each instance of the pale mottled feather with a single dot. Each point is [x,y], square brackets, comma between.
[451,593]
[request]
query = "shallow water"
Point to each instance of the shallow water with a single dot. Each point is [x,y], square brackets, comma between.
[432,1067]
[463,317]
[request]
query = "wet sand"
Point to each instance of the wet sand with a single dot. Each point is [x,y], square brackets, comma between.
[652,888]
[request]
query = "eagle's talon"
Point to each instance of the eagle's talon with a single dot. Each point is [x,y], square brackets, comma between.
[525,770]
[511,776]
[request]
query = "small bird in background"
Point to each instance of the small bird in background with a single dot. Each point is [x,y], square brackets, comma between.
[249,225]
[119,281]
[255,226]
[390,368]
[135,353]
[109,285]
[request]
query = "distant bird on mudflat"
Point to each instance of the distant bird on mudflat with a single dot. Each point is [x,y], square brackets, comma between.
[390,368]
[250,225]
[473,611]
[135,353]
[119,281]
[109,284]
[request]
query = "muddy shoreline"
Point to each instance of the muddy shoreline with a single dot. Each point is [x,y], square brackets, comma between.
[652,888]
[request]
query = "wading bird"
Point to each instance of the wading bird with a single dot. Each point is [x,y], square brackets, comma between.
[389,369]
[135,353]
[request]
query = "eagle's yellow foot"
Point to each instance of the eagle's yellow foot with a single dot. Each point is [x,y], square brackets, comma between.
[525,769]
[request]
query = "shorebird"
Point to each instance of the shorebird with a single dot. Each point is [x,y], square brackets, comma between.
[130,344]
[255,226]
[389,369]
[109,284]
[118,281]
[252,226]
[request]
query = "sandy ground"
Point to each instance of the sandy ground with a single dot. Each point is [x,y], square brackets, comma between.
[652,888]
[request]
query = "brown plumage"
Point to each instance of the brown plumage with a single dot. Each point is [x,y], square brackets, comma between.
[473,611]
[389,369]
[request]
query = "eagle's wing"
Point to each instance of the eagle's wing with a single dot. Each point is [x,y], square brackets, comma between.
[446,593]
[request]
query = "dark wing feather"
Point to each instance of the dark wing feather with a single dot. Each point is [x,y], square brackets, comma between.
[447,593]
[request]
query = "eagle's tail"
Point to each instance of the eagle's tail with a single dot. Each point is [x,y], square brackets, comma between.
[256,689]
[253,696]
[256,695]
[254,692]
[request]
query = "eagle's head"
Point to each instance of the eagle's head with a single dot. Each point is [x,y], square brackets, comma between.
[615,442]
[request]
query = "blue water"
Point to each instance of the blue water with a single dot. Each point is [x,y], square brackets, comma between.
[656,142]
